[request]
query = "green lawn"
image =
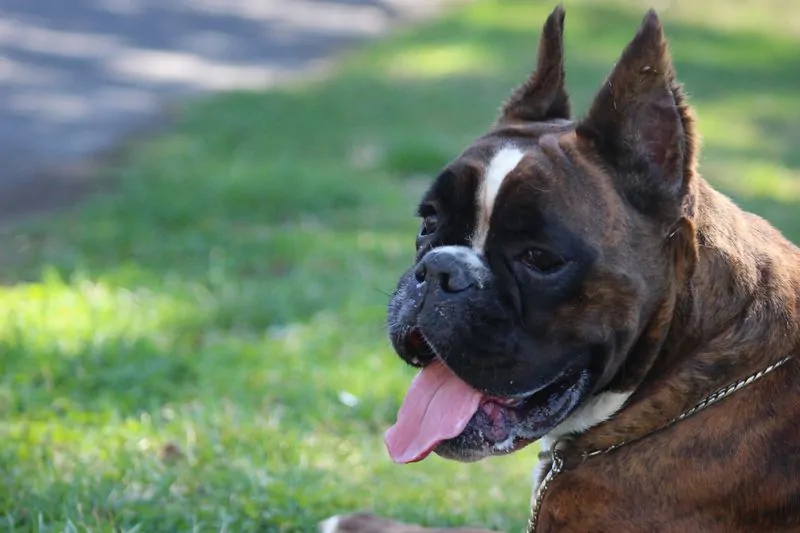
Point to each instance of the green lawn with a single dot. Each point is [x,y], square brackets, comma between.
[204,349]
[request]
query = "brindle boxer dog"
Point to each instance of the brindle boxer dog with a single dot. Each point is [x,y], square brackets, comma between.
[579,284]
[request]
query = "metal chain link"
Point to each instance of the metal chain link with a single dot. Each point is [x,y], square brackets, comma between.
[555,469]
[557,458]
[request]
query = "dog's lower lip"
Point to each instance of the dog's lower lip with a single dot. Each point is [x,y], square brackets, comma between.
[520,400]
[562,379]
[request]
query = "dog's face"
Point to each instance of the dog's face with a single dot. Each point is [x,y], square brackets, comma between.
[546,257]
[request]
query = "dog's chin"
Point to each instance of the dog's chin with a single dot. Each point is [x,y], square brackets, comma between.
[501,427]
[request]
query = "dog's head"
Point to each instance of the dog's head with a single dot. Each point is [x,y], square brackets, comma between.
[549,256]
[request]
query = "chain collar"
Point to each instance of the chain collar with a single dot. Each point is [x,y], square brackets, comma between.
[556,454]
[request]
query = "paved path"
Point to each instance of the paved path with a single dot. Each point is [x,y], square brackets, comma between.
[76,75]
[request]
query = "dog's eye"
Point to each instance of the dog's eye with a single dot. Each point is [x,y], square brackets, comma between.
[429,225]
[542,261]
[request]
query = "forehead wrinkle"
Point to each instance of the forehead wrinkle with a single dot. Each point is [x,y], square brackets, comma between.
[535,171]
[566,184]
[558,151]
[534,176]
[581,182]
[599,195]
[550,145]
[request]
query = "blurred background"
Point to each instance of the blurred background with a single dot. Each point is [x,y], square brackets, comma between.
[203,207]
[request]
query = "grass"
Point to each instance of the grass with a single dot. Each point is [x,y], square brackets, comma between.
[203,349]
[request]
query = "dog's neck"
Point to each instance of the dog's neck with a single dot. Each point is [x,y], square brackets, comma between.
[750,291]
[745,320]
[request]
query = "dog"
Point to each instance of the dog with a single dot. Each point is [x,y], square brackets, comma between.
[578,284]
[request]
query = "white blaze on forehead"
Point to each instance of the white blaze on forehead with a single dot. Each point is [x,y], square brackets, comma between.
[500,166]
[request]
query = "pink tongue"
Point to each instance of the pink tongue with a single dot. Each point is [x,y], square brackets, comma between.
[437,407]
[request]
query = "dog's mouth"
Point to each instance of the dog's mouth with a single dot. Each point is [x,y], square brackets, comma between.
[443,413]
[421,351]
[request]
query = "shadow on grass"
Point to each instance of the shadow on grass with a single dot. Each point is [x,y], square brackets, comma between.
[229,297]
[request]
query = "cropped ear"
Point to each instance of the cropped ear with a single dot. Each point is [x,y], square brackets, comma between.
[640,122]
[542,96]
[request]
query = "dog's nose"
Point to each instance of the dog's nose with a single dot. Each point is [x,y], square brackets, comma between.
[445,270]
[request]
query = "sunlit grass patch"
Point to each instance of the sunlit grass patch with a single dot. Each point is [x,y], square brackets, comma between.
[440,61]
[66,315]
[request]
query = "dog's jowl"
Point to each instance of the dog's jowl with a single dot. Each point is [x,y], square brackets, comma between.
[577,283]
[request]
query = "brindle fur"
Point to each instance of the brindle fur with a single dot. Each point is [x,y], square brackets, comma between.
[724,306]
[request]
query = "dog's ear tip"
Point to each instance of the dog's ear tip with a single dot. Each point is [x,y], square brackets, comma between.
[651,24]
[555,21]
[651,17]
[543,96]
[649,45]
[641,108]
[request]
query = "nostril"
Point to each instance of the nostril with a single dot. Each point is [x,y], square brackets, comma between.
[420,273]
[455,281]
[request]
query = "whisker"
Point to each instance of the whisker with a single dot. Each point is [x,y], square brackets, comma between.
[387,294]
